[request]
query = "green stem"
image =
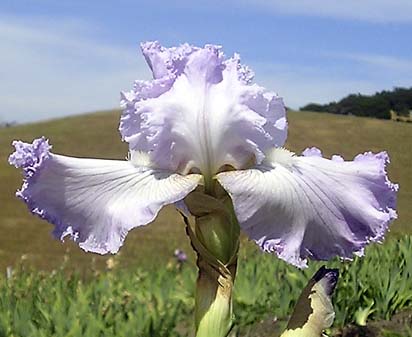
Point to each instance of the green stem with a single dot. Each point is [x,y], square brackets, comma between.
[209,184]
[213,300]
[216,242]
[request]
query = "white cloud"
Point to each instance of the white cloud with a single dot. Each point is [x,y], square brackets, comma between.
[381,62]
[363,10]
[50,69]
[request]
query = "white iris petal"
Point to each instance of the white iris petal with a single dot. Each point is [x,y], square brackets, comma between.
[201,114]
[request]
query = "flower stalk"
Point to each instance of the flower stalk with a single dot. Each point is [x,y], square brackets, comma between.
[216,242]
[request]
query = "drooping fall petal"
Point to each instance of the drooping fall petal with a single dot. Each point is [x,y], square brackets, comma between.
[309,206]
[94,201]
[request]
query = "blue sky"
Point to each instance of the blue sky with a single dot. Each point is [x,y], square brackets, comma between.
[64,57]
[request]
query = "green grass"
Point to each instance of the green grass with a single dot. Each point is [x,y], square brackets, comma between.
[123,302]
[96,135]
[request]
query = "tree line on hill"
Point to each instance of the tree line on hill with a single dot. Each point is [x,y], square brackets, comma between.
[378,105]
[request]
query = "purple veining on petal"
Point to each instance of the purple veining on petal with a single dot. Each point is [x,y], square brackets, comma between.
[303,207]
[95,202]
[384,192]
[201,111]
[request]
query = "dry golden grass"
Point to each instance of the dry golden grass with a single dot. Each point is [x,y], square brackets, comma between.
[96,135]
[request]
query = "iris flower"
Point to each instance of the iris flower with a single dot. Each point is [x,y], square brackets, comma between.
[201,124]
[202,121]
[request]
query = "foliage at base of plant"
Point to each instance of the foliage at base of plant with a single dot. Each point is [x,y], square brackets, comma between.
[120,302]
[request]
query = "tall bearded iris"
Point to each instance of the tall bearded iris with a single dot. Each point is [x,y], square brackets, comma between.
[201,123]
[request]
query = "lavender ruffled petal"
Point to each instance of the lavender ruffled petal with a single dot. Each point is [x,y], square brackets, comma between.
[200,111]
[30,157]
[308,206]
[166,61]
[96,202]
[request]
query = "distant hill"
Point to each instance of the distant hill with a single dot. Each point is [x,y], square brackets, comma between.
[378,105]
[96,135]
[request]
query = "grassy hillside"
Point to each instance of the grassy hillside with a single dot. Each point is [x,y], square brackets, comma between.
[96,135]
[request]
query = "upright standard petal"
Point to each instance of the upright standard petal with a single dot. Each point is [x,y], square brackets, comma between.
[166,61]
[313,207]
[94,201]
[204,115]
